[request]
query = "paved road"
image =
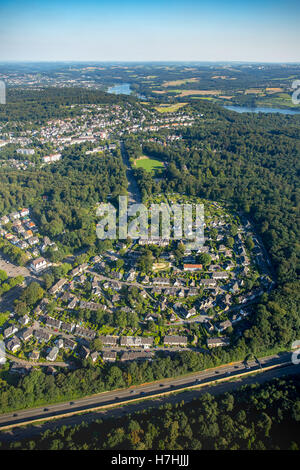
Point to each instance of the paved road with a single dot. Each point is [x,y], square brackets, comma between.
[18,433]
[23,362]
[134,194]
[143,391]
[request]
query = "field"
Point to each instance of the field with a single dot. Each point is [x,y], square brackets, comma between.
[180,82]
[169,108]
[162,266]
[199,92]
[148,164]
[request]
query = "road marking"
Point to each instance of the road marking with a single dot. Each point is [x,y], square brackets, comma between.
[136,399]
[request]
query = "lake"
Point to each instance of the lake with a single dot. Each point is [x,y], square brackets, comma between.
[122,89]
[245,109]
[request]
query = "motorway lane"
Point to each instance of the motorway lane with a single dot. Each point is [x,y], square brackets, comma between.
[142,391]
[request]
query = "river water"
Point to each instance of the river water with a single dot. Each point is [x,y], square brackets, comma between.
[245,109]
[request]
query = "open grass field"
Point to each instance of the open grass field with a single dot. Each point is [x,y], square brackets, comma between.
[169,108]
[180,82]
[199,92]
[148,164]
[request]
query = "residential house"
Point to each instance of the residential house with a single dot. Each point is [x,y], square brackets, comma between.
[68,327]
[33,241]
[38,265]
[172,340]
[208,283]
[24,320]
[34,355]
[58,286]
[13,344]
[217,342]
[84,332]
[109,340]
[52,354]
[84,352]
[94,356]
[136,356]
[136,341]
[10,331]
[160,281]
[223,325]
[52,322]
[192,267]
[220,275]
[42,335]
[69,344]
[109,356]
[26,334]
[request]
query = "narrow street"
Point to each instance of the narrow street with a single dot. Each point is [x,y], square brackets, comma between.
[134,194]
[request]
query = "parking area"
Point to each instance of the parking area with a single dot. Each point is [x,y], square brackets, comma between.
[12,270]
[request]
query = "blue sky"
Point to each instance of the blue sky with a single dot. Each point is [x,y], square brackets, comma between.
[130,30]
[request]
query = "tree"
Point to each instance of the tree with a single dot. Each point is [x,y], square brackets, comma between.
[32,293]
[146,262]
[97,344]
[205,259]
[3,275]
[119,263]
[229,242]
[249,243]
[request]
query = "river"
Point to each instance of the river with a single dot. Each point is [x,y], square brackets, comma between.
[245,109]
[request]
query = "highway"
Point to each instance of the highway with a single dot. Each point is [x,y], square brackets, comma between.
[148,390]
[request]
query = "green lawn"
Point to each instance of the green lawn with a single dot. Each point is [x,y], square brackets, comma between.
[148,164]
[3,318]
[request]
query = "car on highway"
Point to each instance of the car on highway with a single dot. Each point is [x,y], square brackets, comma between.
[15,414]
[46,409]
[132,391]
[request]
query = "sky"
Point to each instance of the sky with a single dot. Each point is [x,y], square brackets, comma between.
[156,30]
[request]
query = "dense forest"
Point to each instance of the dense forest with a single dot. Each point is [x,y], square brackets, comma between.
[64,196]
[256,417]
[40,105]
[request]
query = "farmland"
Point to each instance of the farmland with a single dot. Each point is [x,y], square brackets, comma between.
[169,108]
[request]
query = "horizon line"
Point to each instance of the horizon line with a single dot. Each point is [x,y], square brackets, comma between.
[194,61]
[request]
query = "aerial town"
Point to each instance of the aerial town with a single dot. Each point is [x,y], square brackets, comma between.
[113,307]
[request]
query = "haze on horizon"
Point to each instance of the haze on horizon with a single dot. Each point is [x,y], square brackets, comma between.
[157,30]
